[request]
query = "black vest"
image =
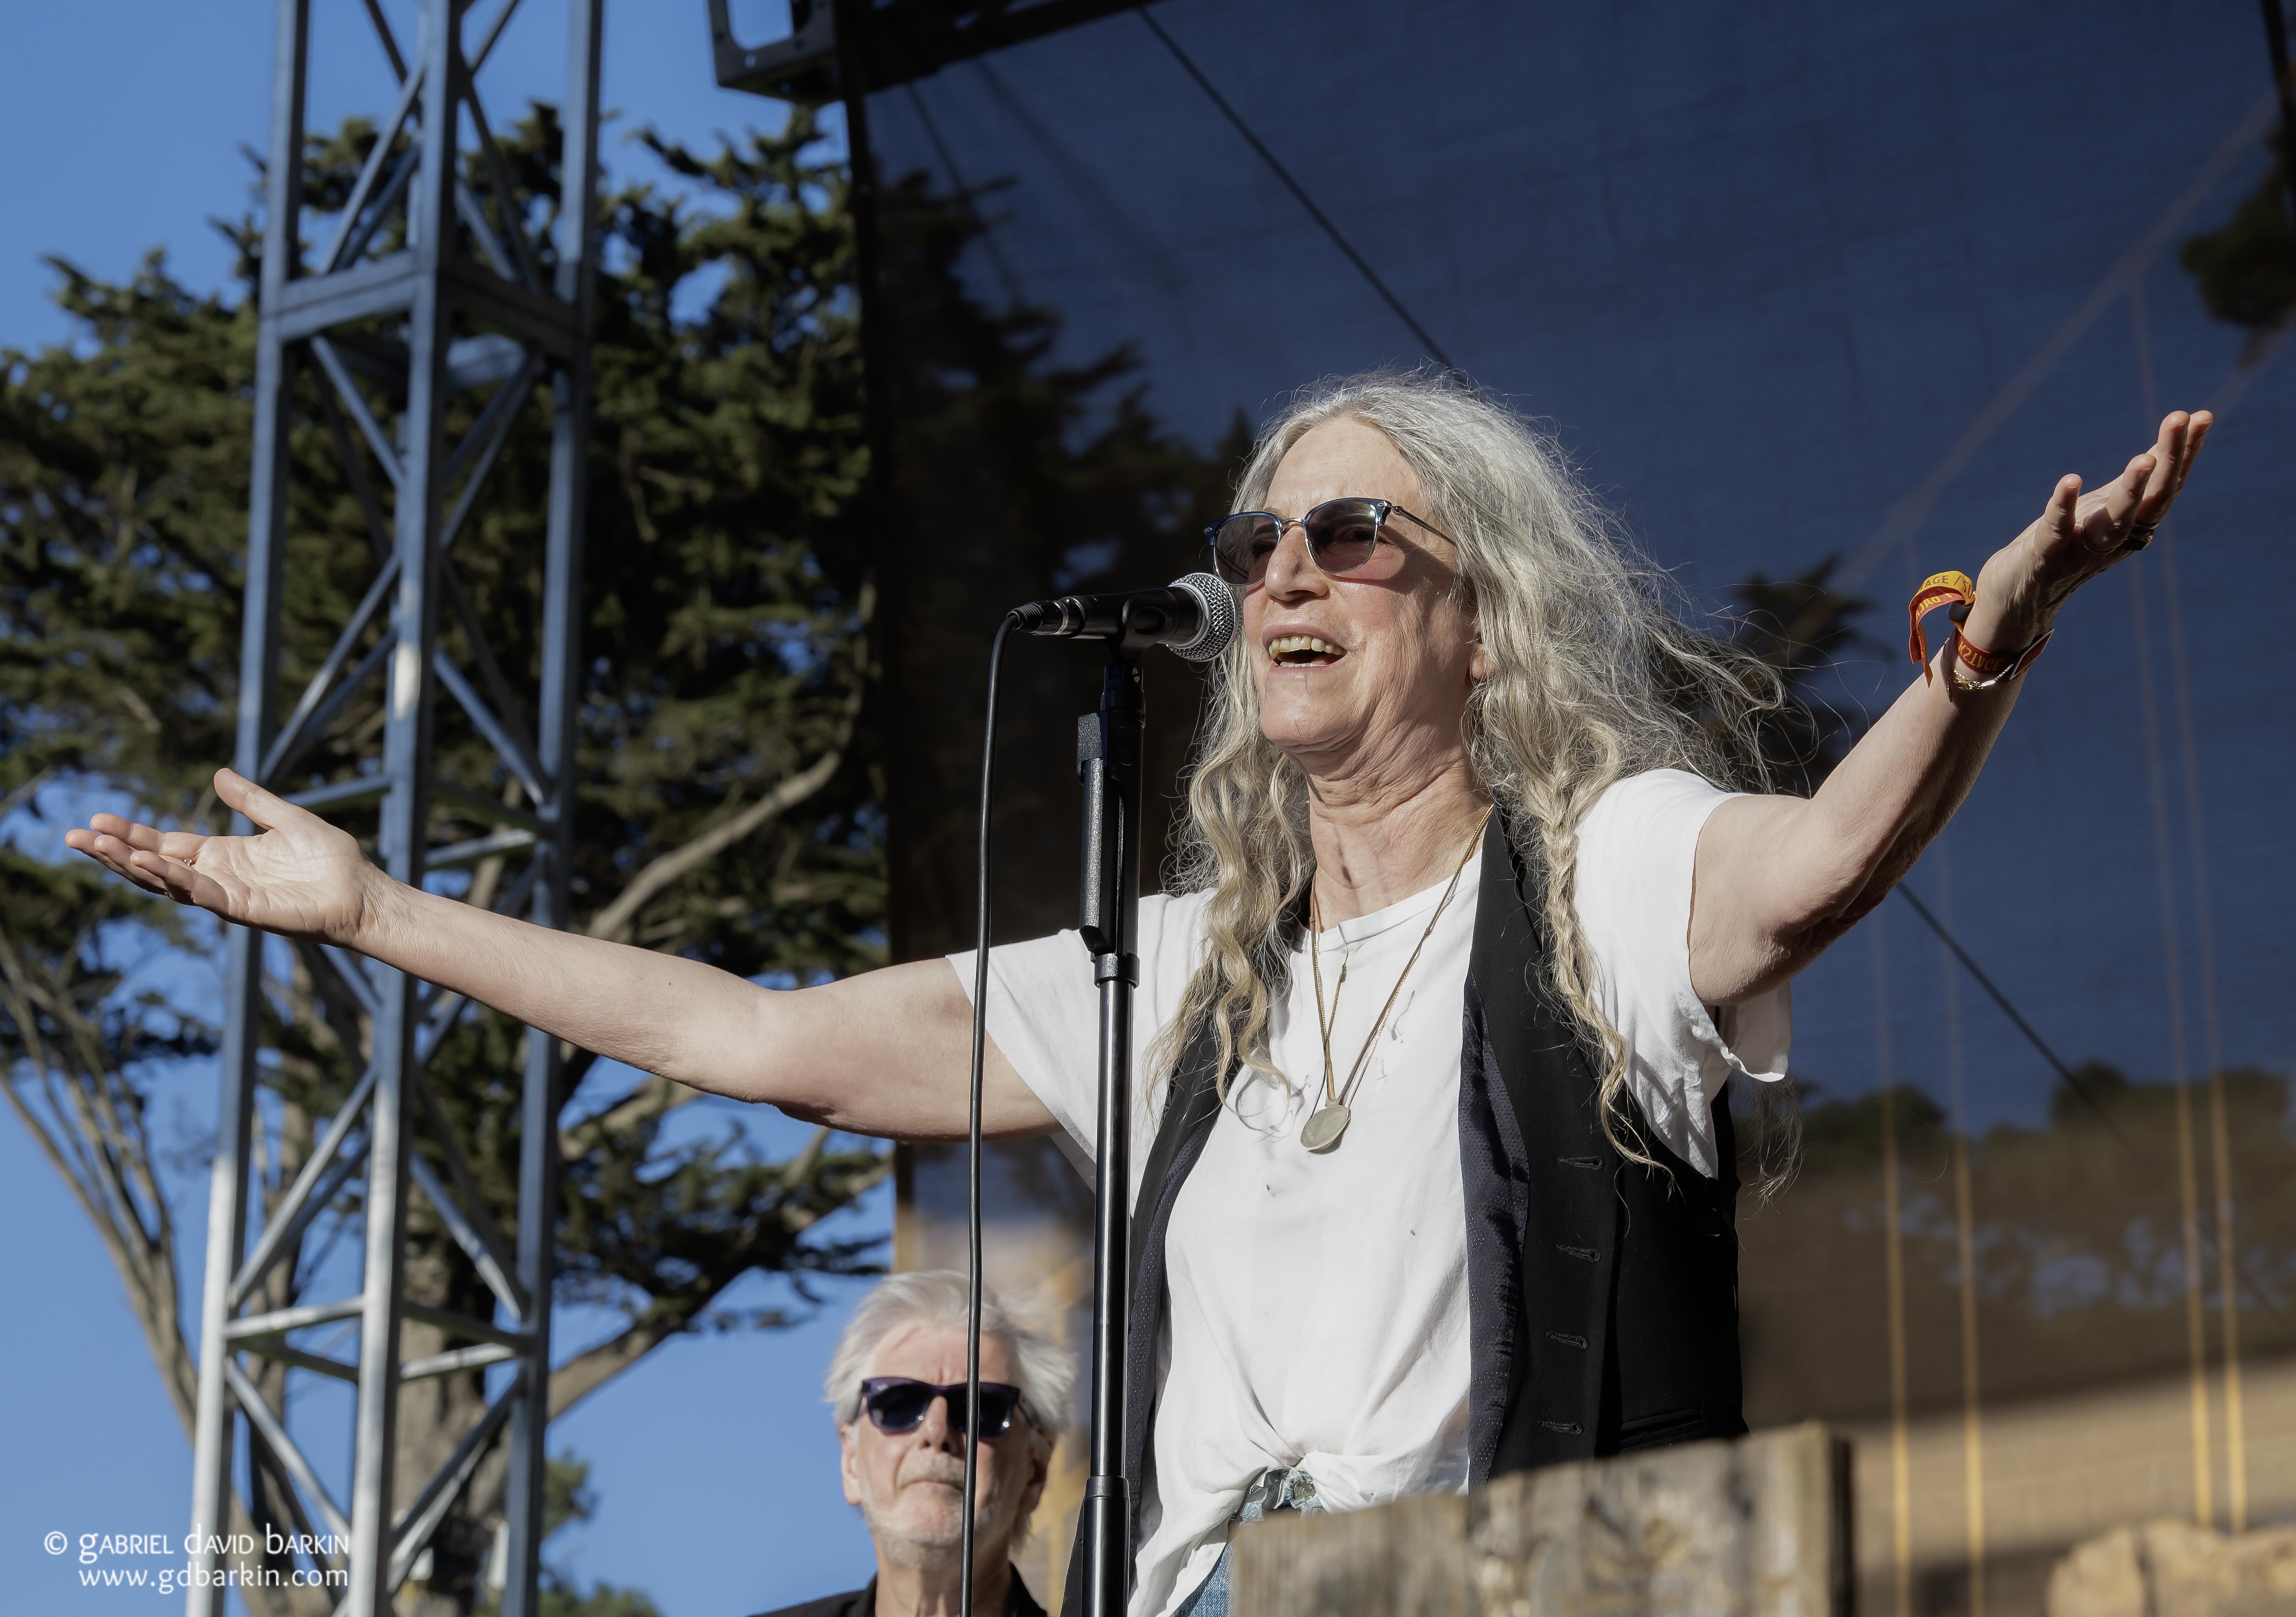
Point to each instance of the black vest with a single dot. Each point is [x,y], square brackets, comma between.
[1602,1296]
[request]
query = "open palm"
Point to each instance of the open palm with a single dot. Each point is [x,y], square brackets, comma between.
[301,877]
[2079,535]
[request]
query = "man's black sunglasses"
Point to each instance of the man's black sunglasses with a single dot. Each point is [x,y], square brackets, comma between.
[897,1403]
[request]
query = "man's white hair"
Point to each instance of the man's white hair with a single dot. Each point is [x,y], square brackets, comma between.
[1046,1373]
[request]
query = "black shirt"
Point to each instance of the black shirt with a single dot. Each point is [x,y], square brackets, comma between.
[863,1603]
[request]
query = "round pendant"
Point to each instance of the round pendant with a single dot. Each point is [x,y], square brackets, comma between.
[1323,1129]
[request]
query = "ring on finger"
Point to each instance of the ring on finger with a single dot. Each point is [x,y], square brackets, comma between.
[2139,536]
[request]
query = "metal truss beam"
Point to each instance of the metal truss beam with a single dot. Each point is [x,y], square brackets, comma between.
[465,303]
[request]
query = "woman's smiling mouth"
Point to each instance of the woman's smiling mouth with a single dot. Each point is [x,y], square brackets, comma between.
[1302,651]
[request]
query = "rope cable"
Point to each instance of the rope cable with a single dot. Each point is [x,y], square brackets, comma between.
[1297,191]
[2011,1011]
[1964,1226]
[972,1128]
[1893,1265]
[2172,984]
[967,195]
[2228,1276]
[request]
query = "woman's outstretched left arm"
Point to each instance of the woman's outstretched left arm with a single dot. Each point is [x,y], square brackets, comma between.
[1777,879]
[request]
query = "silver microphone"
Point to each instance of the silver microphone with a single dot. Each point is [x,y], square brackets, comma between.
[1194,615]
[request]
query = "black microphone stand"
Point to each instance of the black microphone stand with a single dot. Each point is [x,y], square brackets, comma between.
[1108,764]
[1195,616]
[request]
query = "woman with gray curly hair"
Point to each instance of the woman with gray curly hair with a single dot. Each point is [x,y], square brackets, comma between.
[1480,905]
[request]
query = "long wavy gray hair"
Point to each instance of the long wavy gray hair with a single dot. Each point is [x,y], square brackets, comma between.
[1595,678]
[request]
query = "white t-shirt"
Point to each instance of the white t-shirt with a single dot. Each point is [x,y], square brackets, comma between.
[1318,1304]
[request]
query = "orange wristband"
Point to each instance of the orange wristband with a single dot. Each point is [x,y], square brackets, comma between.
[1936,591]
[1985,665]
[1992,667]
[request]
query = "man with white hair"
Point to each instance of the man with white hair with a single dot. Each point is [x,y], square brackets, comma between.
[896,1384]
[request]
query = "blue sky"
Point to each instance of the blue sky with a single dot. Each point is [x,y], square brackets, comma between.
[713,1460]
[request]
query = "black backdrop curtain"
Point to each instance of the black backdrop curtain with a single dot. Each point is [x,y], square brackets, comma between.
[1806,291]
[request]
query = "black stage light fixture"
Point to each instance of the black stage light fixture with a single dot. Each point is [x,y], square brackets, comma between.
[901,40]
[802,66]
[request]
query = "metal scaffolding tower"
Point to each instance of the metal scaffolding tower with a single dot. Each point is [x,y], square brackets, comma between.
[462,304]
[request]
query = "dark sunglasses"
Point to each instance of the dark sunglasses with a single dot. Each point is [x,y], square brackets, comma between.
[897,1404]
[1343,540]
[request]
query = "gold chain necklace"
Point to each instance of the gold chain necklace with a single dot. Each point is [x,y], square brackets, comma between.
[1329,1121]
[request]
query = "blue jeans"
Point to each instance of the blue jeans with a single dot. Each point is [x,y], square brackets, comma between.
[1274,1489]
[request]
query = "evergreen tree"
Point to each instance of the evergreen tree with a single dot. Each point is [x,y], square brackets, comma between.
[724,812]
[2246,266]
[1800,627]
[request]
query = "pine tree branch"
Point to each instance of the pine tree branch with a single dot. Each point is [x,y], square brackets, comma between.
[106,1161]
[655,1097]
[25,792]
[592,1368]
[614,922]
[671,1315]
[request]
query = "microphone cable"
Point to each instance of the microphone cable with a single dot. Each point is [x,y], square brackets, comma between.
[973,1123]
[1216,626]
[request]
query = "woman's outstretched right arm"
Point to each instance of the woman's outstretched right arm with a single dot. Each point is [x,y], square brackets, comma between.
[887,1053]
